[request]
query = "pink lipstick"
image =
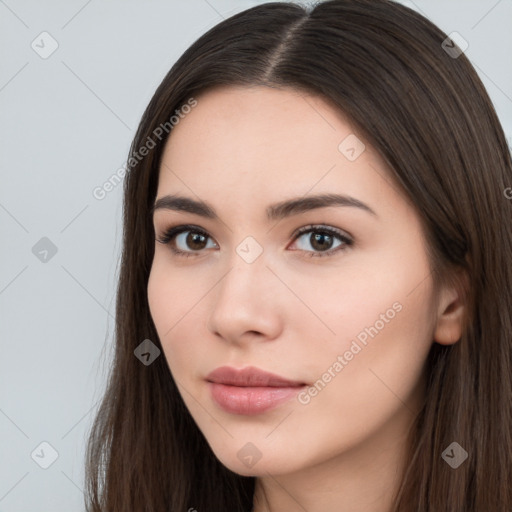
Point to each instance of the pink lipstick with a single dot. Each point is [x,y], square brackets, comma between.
[250,391]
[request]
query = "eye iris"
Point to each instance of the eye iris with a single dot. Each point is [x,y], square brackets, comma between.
[192,240]
[321,238]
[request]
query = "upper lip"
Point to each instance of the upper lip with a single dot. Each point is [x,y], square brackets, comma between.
[248,377]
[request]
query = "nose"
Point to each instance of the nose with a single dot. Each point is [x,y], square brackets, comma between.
[247,303]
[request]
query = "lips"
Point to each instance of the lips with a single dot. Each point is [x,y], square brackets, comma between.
[250,391]
[250,377]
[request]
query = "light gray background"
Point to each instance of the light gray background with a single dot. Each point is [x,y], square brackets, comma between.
[66,124]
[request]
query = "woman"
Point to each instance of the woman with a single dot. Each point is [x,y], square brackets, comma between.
[315,296]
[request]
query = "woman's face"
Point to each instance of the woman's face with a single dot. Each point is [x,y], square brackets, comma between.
[347,312]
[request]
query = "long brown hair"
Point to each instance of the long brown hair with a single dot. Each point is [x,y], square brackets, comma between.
[426,112]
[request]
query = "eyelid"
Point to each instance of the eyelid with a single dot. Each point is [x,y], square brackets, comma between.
[323,228]
[171,232]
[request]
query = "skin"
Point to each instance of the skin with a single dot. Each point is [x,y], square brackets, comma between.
[242,149]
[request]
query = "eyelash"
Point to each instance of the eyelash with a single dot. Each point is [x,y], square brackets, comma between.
[170,234]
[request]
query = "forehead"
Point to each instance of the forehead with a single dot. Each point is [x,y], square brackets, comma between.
[239,144]
[254,116]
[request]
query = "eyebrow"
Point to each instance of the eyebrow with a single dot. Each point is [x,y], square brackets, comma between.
[276,211]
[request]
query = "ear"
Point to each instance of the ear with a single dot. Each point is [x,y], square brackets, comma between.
[451,309]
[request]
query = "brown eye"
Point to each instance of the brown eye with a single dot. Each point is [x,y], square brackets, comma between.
[195,241]
[185,240]
[321,240]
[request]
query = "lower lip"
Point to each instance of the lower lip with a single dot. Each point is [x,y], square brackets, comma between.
[250,400]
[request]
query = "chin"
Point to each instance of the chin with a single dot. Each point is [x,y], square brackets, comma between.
[262,467]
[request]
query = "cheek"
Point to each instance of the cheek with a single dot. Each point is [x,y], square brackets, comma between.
[364,299]
[158,297]
[174,303]
[374,363]
[163,302]
[379,315]
[171,293]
